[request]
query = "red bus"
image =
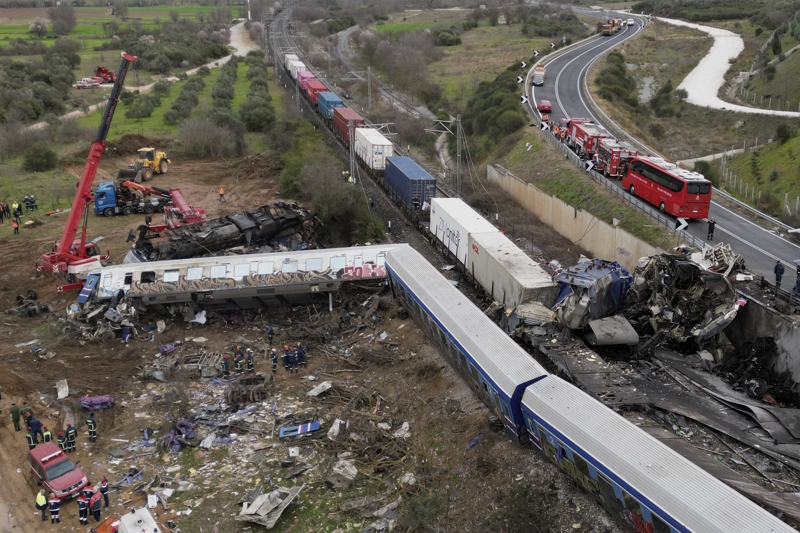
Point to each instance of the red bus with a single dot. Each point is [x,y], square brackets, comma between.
[679,192]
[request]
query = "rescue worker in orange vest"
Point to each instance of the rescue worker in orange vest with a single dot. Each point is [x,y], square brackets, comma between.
[222,195]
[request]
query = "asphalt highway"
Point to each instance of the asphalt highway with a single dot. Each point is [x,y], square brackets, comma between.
[761,247]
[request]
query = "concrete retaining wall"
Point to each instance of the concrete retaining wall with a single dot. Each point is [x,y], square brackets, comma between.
[603,240]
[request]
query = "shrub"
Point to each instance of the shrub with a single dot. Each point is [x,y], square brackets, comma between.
[222,92]
[143,106]
[708,170]
[126,97]
[203,71]
[39,158]
[510,121]
[257,114]
[204,138]
[195,84]
[774,175]
[783,133]
[162,88]
[657,130]
[759,31]
[776,46]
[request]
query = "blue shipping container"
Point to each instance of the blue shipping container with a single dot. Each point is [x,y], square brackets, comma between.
[327,102]
[406,179]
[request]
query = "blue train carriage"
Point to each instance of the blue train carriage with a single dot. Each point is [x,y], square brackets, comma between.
[327,102]
[495,367]
[631,474]
[407,182]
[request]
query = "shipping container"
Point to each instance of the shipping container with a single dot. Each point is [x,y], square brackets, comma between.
[313,88]
[288,58]
[372,148]
[303,77]
[507,273]
[295,67]
[341,121]
[452,221]
[407,180]
[327,102]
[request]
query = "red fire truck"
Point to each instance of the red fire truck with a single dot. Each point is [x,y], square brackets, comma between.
[613,157]
[585,137]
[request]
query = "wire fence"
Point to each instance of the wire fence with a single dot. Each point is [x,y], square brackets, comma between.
[659,219]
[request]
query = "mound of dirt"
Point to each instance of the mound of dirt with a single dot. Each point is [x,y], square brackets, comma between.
[129,143]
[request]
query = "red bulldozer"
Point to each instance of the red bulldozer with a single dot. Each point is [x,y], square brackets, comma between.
[105,74]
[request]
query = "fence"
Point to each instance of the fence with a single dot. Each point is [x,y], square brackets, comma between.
[659,219]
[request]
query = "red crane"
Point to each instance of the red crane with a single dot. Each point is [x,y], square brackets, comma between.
[72,256]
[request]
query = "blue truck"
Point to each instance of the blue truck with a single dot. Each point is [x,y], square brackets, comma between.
[409,183]
[111,199]
[327,102]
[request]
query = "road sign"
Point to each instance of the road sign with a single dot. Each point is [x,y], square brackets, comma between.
[524,64]
[545,126]
[589,165]
[536,53]
[681,224]
[519,79]
[523,100]
[552,45]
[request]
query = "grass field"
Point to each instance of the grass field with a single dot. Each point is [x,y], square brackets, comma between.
[754,169]
[154,126]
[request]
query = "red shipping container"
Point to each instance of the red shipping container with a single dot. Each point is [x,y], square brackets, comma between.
[341,121]
[312,88]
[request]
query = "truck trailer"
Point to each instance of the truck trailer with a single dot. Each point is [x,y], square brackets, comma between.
[372,149]
[408,182]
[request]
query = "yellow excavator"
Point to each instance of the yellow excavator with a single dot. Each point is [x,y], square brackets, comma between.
[149,162]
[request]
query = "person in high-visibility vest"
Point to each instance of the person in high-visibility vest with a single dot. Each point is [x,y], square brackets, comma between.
[222,195]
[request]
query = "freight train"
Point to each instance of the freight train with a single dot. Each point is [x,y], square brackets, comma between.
[407,183]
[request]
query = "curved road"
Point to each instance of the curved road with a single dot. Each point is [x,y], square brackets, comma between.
[563,87]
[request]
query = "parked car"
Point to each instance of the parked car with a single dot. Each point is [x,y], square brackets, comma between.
[87,83]
[545,107]
[53,468]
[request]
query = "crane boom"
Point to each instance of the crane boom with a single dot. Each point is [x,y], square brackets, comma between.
[67,251]
[146,190]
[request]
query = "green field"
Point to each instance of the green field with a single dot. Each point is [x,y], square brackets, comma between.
[154,126]
[397,27]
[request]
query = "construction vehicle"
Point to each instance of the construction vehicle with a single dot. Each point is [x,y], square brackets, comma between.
[72,256]
[613,157]
[111,199]
[150,162]
[612,26]
[106,75]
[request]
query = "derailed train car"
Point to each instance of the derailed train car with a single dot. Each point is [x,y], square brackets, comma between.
[633,475]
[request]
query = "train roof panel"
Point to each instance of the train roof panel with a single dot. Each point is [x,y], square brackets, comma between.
[662,478]
[409,167]
[373,136]
[503,360]
[517,263]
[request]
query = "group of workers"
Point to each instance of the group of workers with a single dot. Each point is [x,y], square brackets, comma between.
[89,500]
[37,431]
[293,357]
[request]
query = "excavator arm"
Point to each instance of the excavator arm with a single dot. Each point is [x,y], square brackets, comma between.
[67,251]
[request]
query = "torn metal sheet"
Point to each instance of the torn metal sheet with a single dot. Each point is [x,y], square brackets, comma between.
[590,291]
[679,297]
[319,389]
[270,506]
[611,330]
[63,389]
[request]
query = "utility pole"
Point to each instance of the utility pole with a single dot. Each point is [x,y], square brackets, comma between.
[297,94]
[369,92]
[329,60]
[458,153]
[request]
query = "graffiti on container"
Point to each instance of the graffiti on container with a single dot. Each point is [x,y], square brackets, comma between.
[623,251]
[367,270]
[286,278]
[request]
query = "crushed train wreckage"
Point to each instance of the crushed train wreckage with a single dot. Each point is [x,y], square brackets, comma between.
[279,225]
[678,300]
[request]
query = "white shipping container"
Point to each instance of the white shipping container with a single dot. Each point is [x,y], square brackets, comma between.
[507,273]
[372,148]
[288,58]
[452,221]
[295,67]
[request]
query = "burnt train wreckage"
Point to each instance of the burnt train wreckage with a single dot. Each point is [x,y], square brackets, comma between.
[272,225]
